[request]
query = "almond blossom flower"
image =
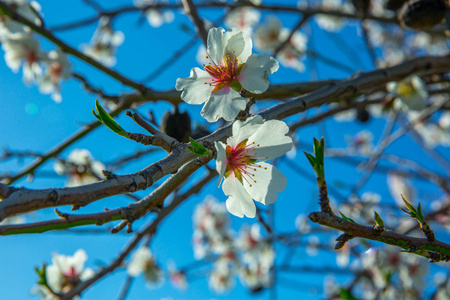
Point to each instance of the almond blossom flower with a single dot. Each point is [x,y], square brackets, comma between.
[177,277]
[29,10]
[270,35]
[411,93]
[144,262]
[24,50]
[80,167]
[232,70]
[67,271]
[58,68]
[244,18]
[244,178]
[104,43]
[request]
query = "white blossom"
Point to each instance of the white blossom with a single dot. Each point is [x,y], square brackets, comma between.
[104,43]
[143,262]
[231,70]
[411,93]
[24,51]
[243,18]
[270,35]
[240,164]
[58,69]
[28,10]
[67,271]
[80,167]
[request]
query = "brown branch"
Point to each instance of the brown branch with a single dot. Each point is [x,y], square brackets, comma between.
[159,139]
[129,213]
[191,10]
[28,200]
[386,237]
[150,229]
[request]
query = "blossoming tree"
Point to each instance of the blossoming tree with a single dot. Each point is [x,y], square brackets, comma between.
[368,222]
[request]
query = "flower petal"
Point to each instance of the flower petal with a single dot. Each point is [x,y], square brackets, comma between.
[225,103]
[254,74]
[221,160]
[216,43]
[272,139]
[239,202]
[268,181]
[243,130]
[195,89]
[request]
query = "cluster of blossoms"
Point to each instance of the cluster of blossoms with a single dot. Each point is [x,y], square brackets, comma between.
[248,256]
[104,43]
[22,50]
[63,274]
[80,168]
[232,71]
[382,263]
[270,35]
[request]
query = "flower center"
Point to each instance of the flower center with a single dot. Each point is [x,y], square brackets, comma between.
[241,161]
[224,74]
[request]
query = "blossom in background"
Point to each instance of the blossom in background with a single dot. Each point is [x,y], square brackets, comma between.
[362,208]
[143,262]
[24,51]
[104,43]
[28,9]
[81,168]
[67,271]
[270,35]
[302,223]
[58,69]
[232,69]
[243,18]
[221,279]
[329,22]
[155,17]
[411,93]
[360,142]
[211,228]
[240,164]
[177,277]
[399,185]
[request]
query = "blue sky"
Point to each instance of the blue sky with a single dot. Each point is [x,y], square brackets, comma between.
[143,51]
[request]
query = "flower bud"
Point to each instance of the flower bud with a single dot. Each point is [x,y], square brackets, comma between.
[177,125]
[423,14]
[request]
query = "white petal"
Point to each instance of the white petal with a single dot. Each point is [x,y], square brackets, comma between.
[254,74]
[272,140]
[78,260]
[239,202]
[225,103]
[243,130]
[239,45]
[54,278]
[216,43]
[87,274]
[268,181]
[221,160]
[195,89]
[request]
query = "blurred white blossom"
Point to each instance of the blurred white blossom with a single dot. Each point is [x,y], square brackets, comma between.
[80,167]
[104,43]
[143,262]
